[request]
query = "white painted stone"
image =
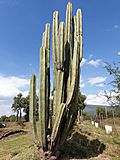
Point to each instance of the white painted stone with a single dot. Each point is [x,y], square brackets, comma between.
[96,124]
[108,129]
[92,122]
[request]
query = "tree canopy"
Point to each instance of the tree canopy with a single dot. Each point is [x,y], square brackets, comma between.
[21,103]
[81,105]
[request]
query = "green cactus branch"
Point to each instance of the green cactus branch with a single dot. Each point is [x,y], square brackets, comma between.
[32,115]
[42,99]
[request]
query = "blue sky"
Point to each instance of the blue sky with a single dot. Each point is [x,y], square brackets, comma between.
[22,23]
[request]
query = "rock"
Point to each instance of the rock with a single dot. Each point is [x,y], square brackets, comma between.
[92,122]
[96,124]
[108,129]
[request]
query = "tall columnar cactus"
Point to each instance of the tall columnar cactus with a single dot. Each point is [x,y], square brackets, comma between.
[32,111]
[66,58]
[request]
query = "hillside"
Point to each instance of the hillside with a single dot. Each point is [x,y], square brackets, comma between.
[91,109]
[85,142]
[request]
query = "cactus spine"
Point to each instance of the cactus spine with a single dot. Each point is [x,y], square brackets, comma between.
[66,58]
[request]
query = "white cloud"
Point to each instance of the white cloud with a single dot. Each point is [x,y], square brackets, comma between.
[25,93]
[96,80]
[98,99]
[95,63]
[83,61]
[82,84]
[10,87]
[92,62]
[116,26]
[100,85]
[5,106]
[118,53]
[90,56]
[5,109]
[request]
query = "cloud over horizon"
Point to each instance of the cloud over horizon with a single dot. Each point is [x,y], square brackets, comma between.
[97,99]
[10,86]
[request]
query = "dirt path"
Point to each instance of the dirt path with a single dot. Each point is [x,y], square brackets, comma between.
[9,132]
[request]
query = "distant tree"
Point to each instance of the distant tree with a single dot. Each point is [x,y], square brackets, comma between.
[26,107]
[4,118]
[18,105]
[12,118]
[100,111]
[81,105]
[113,97]
[117,112]
[110,113]
[26,101]
[88,116]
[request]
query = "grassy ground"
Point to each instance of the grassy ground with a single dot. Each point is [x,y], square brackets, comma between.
[19,147]
[88,142]
[85,142]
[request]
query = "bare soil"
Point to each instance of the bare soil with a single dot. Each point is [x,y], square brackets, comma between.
[4,133]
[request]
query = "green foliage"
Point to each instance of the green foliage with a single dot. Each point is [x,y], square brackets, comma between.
[20,104]
[81,105]
[4,118]
[88,116]
[12,118]
[81,101]
[26,102]
[117,112]
[100,111]
[110,113]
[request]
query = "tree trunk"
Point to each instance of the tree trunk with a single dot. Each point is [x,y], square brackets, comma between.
[81,114]
[20,114]
[106,112]
[78,115]
[17,116]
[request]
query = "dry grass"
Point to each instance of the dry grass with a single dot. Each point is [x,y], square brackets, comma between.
[86,142]
[18,145]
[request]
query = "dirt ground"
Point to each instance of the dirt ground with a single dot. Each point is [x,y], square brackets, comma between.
[4,133]
[84,143]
